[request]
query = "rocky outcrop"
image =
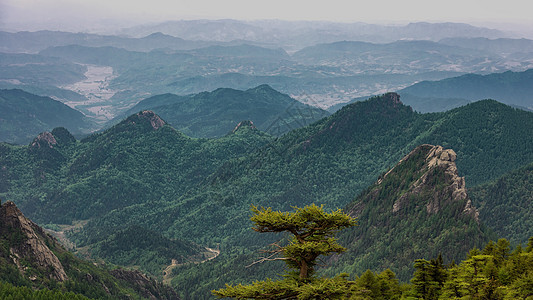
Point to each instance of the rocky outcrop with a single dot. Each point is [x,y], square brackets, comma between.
[244,124]
[154,119]
[417,209]
[29,245]
[44,139]
[393,99]
[439,181]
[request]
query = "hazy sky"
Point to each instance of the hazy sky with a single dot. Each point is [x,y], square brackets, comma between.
[67,12]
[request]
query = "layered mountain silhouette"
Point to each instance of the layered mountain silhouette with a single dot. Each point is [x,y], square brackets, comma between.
[214,114]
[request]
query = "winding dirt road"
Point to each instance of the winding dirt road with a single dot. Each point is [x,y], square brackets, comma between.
[168,270]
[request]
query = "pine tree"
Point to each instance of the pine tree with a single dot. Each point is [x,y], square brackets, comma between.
[313,233]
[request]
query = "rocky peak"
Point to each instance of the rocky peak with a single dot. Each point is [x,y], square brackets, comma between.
[392,98]
[44,139]
[244,124]
[63,136]
[154,119]
[438,180]
[32,247]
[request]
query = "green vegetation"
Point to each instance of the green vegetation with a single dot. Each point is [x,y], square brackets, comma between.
[493,273]
[24,115]
[506,205]
[159,179]
[215,114]
[136,246]
[11,292]
[312,232]
[31,259]
[413,211]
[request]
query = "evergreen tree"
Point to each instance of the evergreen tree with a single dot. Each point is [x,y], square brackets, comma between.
[429,278]
[313,233]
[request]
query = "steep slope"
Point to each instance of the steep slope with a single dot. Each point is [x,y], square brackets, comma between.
[30,257]
[31,246]
[214,114]
[506,204]
[24,115]
[415,209]
[144,173]
[487,135]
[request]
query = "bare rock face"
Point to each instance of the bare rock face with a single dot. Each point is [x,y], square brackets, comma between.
[441,178]
[154,119]
[393,98]
[244,124]
[446,159]
[32,248]
[44,139]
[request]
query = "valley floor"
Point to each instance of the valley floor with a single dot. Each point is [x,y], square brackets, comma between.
[96,89]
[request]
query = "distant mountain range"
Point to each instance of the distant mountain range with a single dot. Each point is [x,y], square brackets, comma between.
[317,63]
[502,46]
[317,75]
[294,34]
[24,115]
[512,88]
[33,42]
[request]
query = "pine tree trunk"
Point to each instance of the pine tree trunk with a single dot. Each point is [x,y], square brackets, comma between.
[304,270]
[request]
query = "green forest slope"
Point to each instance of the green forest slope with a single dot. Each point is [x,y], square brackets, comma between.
[144,173]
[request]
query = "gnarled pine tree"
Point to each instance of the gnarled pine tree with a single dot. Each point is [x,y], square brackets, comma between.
[313,232]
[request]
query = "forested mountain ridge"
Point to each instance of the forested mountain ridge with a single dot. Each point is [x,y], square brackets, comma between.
[29,257]
[142,172]
[214,114]
[507,204]
[119,163]
[331,161]
[23,115]
[419,208]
